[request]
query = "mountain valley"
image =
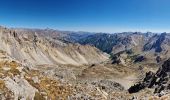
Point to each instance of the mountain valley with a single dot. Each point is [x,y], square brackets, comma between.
[47,64]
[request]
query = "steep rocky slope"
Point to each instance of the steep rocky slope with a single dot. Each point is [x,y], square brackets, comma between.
[114,43]
[28,46]
[148,45]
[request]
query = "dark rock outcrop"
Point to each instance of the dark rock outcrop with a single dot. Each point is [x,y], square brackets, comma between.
[158,59]
[159,81]
[115,60]
[139,59]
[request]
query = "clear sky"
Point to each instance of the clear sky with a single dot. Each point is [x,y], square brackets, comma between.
[87,15]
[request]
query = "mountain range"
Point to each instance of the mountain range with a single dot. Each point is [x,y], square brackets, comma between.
[48,64]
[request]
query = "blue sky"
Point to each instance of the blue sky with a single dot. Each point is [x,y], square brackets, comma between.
[87,15]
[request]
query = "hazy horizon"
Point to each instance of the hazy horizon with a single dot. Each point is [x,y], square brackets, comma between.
[108,16]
